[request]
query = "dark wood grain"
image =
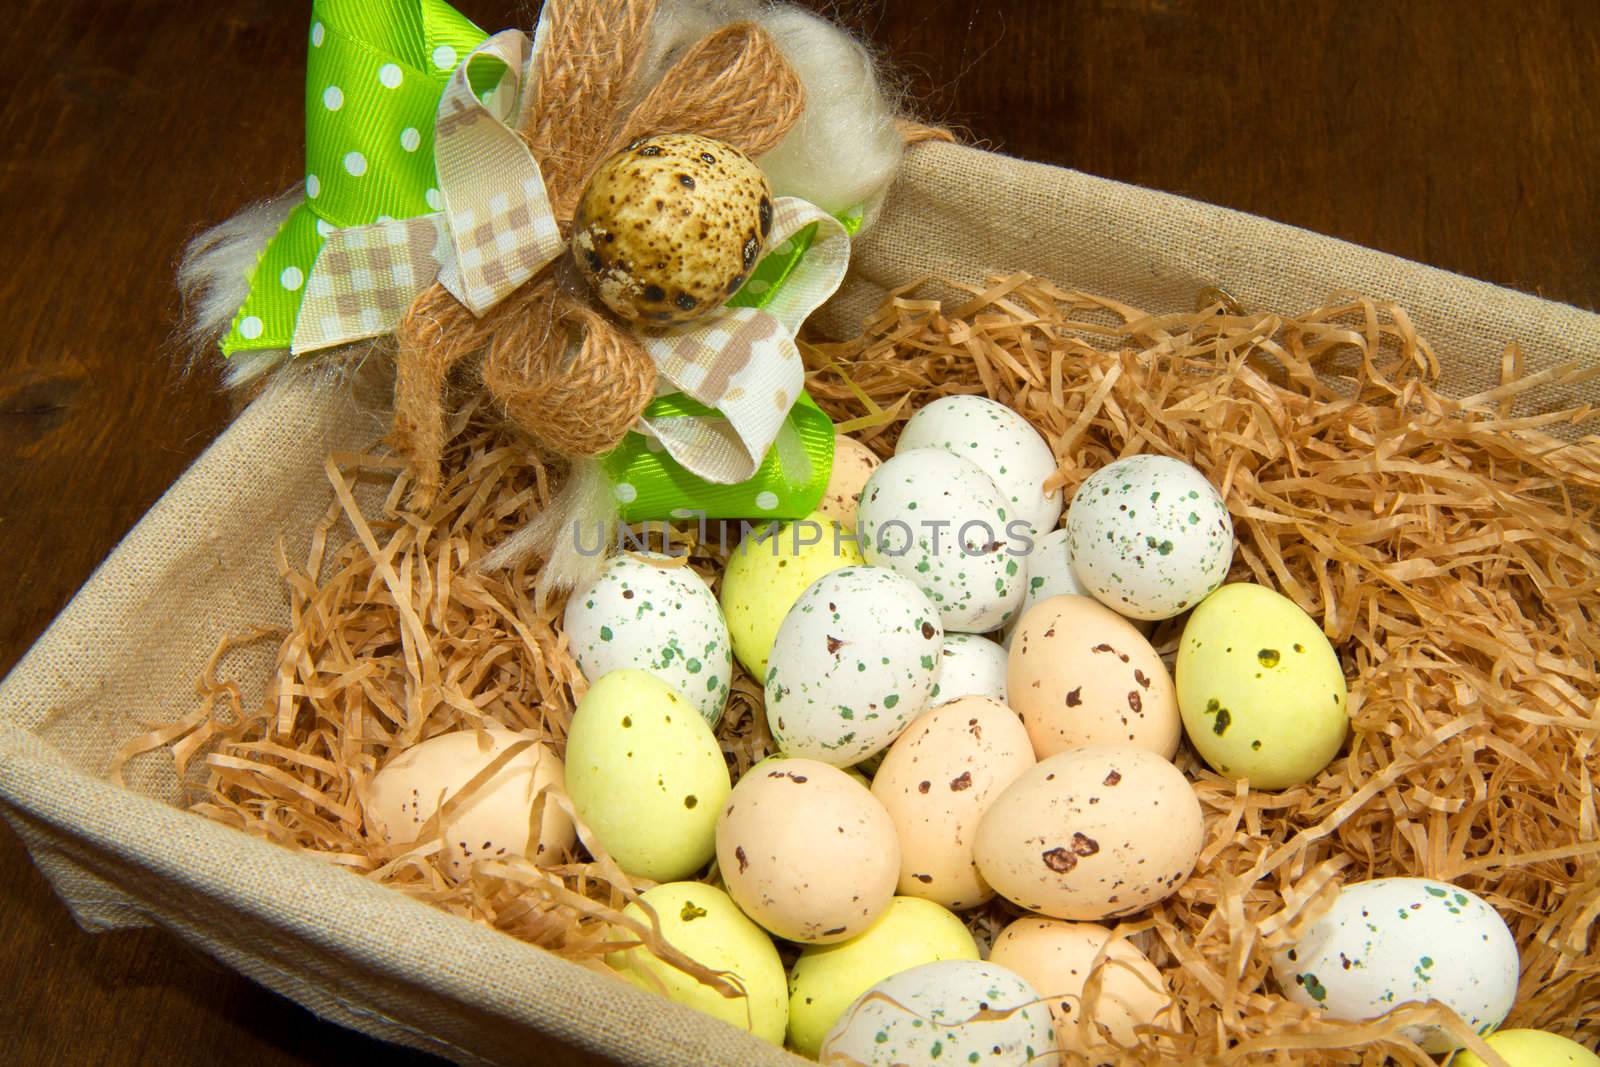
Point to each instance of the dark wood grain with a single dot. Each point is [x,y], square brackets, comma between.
[1457,132]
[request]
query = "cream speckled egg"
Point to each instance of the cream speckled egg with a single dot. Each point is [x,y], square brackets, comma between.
[1003,444]
[646,775]
[936,782]
[766,574]
[1261,690]
[853,464]
[1080,674]
[1392,941]
[1531,1048]
[704,924]
[1057,958]
[670,227]
[1092,833]
[955,1011]
[939,520]
[1149,536]
[854,661]
[409,789]
[650,612]
[970,666]
[807,852]
[826,978]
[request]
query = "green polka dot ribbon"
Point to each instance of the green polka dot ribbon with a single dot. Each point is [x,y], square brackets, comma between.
[375,70]
[408,162]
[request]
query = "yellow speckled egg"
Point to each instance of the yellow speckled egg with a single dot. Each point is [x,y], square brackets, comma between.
[670,227]
[494,823]
[704,924]
[807,852]
[1260,688]
[826,978]
[938,779]
[853,464]
[1057,958]
[1080,674]
[1092,833]
[646,775]
[767,573]
[1531,1048]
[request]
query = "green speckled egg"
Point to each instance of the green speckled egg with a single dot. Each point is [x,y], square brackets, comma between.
[670,227]
[706,925]
[955,1011]
[646,775]
[648,611]
[1259,687]
[767,573]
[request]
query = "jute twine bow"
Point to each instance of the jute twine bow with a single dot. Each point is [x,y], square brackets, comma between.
[563,371]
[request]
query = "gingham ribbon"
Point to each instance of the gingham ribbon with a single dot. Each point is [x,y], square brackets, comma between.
[743,360]
[495,230]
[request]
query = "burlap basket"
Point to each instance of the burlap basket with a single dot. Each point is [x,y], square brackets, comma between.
[127,651]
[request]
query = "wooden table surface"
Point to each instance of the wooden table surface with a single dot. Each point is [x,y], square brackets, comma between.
[1458,132]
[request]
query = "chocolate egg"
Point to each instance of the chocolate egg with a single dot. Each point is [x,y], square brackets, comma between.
[670,227]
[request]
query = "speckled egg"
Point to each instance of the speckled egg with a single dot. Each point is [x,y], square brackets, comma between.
[1080,674]
[1057,958]
[826,978]
[970,666]
[766,574]
[1092,833]
[651,612]
[854,661]
[954,1011]
[1260,688]
[496,819]
[1531,1048]
[1003,444]
[1392,941]
[939,520]
[670,227]
[1149,536]
[646,775]
[936,782]
[704,924]
[853,464]
[807,852]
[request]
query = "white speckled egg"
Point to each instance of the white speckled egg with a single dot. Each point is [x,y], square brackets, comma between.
[853,464]
[651,612]
[807,852]
[1392,941]
[971,666]
[939,520]
[953,1011]
[1003,444]
[936,782]
[854,661]
[1149,536]
[1092,833]
[409,789]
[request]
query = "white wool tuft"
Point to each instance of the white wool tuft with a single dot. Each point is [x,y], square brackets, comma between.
[214,279]
[562,532]
[845,148]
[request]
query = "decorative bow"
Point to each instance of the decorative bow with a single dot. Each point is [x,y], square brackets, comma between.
[379,225]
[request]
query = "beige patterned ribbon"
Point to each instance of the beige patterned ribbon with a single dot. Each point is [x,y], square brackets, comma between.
[494,231]
[743,360]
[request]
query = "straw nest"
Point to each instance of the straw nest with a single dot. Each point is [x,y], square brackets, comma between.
[1447,546]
